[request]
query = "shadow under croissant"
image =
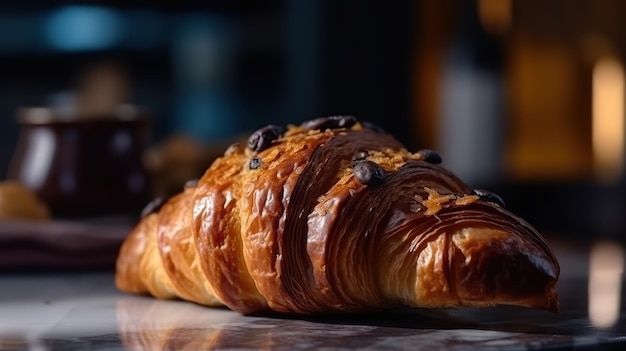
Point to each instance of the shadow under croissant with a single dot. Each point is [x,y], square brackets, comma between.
[500,318]
[147,324]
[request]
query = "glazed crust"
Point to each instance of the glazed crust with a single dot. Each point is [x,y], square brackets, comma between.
[217,232]
[178,251]
[323,219]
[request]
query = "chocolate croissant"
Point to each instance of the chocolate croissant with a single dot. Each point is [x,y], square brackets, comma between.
[335,215]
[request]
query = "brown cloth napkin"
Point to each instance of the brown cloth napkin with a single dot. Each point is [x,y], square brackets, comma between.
[54,245]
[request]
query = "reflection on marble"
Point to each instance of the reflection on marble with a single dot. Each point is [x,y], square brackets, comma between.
[167,326]
[606,267]
[162,325]
[84,311]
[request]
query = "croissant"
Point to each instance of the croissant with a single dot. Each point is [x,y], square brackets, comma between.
[335,216]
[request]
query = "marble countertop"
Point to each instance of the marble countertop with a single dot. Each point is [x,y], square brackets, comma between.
[84,311]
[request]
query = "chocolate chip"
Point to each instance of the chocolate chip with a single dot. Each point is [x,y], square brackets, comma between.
[332,122]
[430,156]
[488,196]
[368,173]
[263,138]
[191,183]
[373,127]
[255,163]
[153,206]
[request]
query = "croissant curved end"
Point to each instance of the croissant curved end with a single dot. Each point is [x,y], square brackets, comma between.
[484,265]
[493,266]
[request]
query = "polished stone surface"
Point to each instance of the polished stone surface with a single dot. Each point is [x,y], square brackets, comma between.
[84,311]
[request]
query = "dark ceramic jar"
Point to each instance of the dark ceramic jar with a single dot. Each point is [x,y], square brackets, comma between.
[83,166]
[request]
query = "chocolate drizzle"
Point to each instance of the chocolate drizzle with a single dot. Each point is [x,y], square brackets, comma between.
[382,211]
[312,184]
[377,232]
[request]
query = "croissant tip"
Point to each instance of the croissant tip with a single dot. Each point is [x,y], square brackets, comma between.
[551,296]
[547,301]
[554,306]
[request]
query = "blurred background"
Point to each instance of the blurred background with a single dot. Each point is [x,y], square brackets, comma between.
[525,98]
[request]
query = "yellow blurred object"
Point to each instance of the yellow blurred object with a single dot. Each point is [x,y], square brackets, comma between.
[549,134]
[608,119]
[18,202]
